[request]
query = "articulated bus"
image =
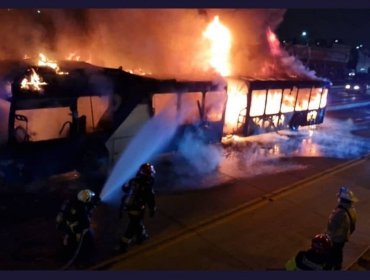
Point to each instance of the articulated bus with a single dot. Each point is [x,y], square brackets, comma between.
[82,111]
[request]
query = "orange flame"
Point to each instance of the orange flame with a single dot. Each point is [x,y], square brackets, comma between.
[220,39]
[267,105]
[138,71]
[236,104]
[33,83]
[73,56]
[44,61]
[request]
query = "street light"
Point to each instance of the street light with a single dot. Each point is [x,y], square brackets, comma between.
[304,34]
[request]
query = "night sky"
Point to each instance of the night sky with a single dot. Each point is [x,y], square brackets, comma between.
[352,26]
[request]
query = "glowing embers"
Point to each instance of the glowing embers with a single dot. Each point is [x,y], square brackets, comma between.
[44,61]
[311,116]
[220,40]
[288,100]
[33,82]
[270,121]
[73,57]
[138,71]
[315,98]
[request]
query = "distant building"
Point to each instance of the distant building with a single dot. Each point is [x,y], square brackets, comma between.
[327,62]
[363,61]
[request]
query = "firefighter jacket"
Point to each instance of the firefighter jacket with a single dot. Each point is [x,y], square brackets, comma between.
[309,260]
[74,217]
[137,194]
[342,222]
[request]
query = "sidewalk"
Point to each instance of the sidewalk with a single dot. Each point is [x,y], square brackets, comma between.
[263,233]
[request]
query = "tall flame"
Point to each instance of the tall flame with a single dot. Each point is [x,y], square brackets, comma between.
[220,39]
[236,104]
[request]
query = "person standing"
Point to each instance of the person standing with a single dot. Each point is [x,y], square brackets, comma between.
[341,225]
[138,194]
[74,220]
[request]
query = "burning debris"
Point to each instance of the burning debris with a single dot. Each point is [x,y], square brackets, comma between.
[44,61]
[33,82]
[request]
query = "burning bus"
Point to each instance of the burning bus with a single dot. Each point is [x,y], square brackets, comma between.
[74,114]
[83,116]
[258,106]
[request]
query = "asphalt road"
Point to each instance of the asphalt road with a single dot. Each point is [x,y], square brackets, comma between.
[263,233]
[29,239]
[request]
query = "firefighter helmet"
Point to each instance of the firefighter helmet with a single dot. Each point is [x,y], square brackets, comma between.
[85,195]
[346,194]
[147,169]
[321,243]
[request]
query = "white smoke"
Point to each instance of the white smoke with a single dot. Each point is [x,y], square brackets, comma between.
[204,158]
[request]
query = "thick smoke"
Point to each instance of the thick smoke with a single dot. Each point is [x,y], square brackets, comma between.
[204,158]
[27,32]
[170,43]
[163,42]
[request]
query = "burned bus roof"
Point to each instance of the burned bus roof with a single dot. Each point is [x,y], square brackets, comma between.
[271,83]
[84,79]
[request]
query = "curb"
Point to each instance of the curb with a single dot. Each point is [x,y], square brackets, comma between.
[356,260]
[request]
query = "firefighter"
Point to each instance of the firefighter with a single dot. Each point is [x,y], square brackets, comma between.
[341,224]
[315,258]
[73,220]
[138,193]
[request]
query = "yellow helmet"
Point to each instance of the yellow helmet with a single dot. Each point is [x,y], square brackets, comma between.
[346,194]
[85,195]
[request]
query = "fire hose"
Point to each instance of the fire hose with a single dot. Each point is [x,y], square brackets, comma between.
[76,252]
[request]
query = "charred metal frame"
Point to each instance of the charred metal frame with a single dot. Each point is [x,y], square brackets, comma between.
[67,153]
[64,91]
[213,131]
[296,118]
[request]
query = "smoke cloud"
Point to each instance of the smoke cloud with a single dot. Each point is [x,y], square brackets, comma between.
[164,42]
[204,158]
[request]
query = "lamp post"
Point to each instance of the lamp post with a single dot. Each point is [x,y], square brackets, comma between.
[304,35]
